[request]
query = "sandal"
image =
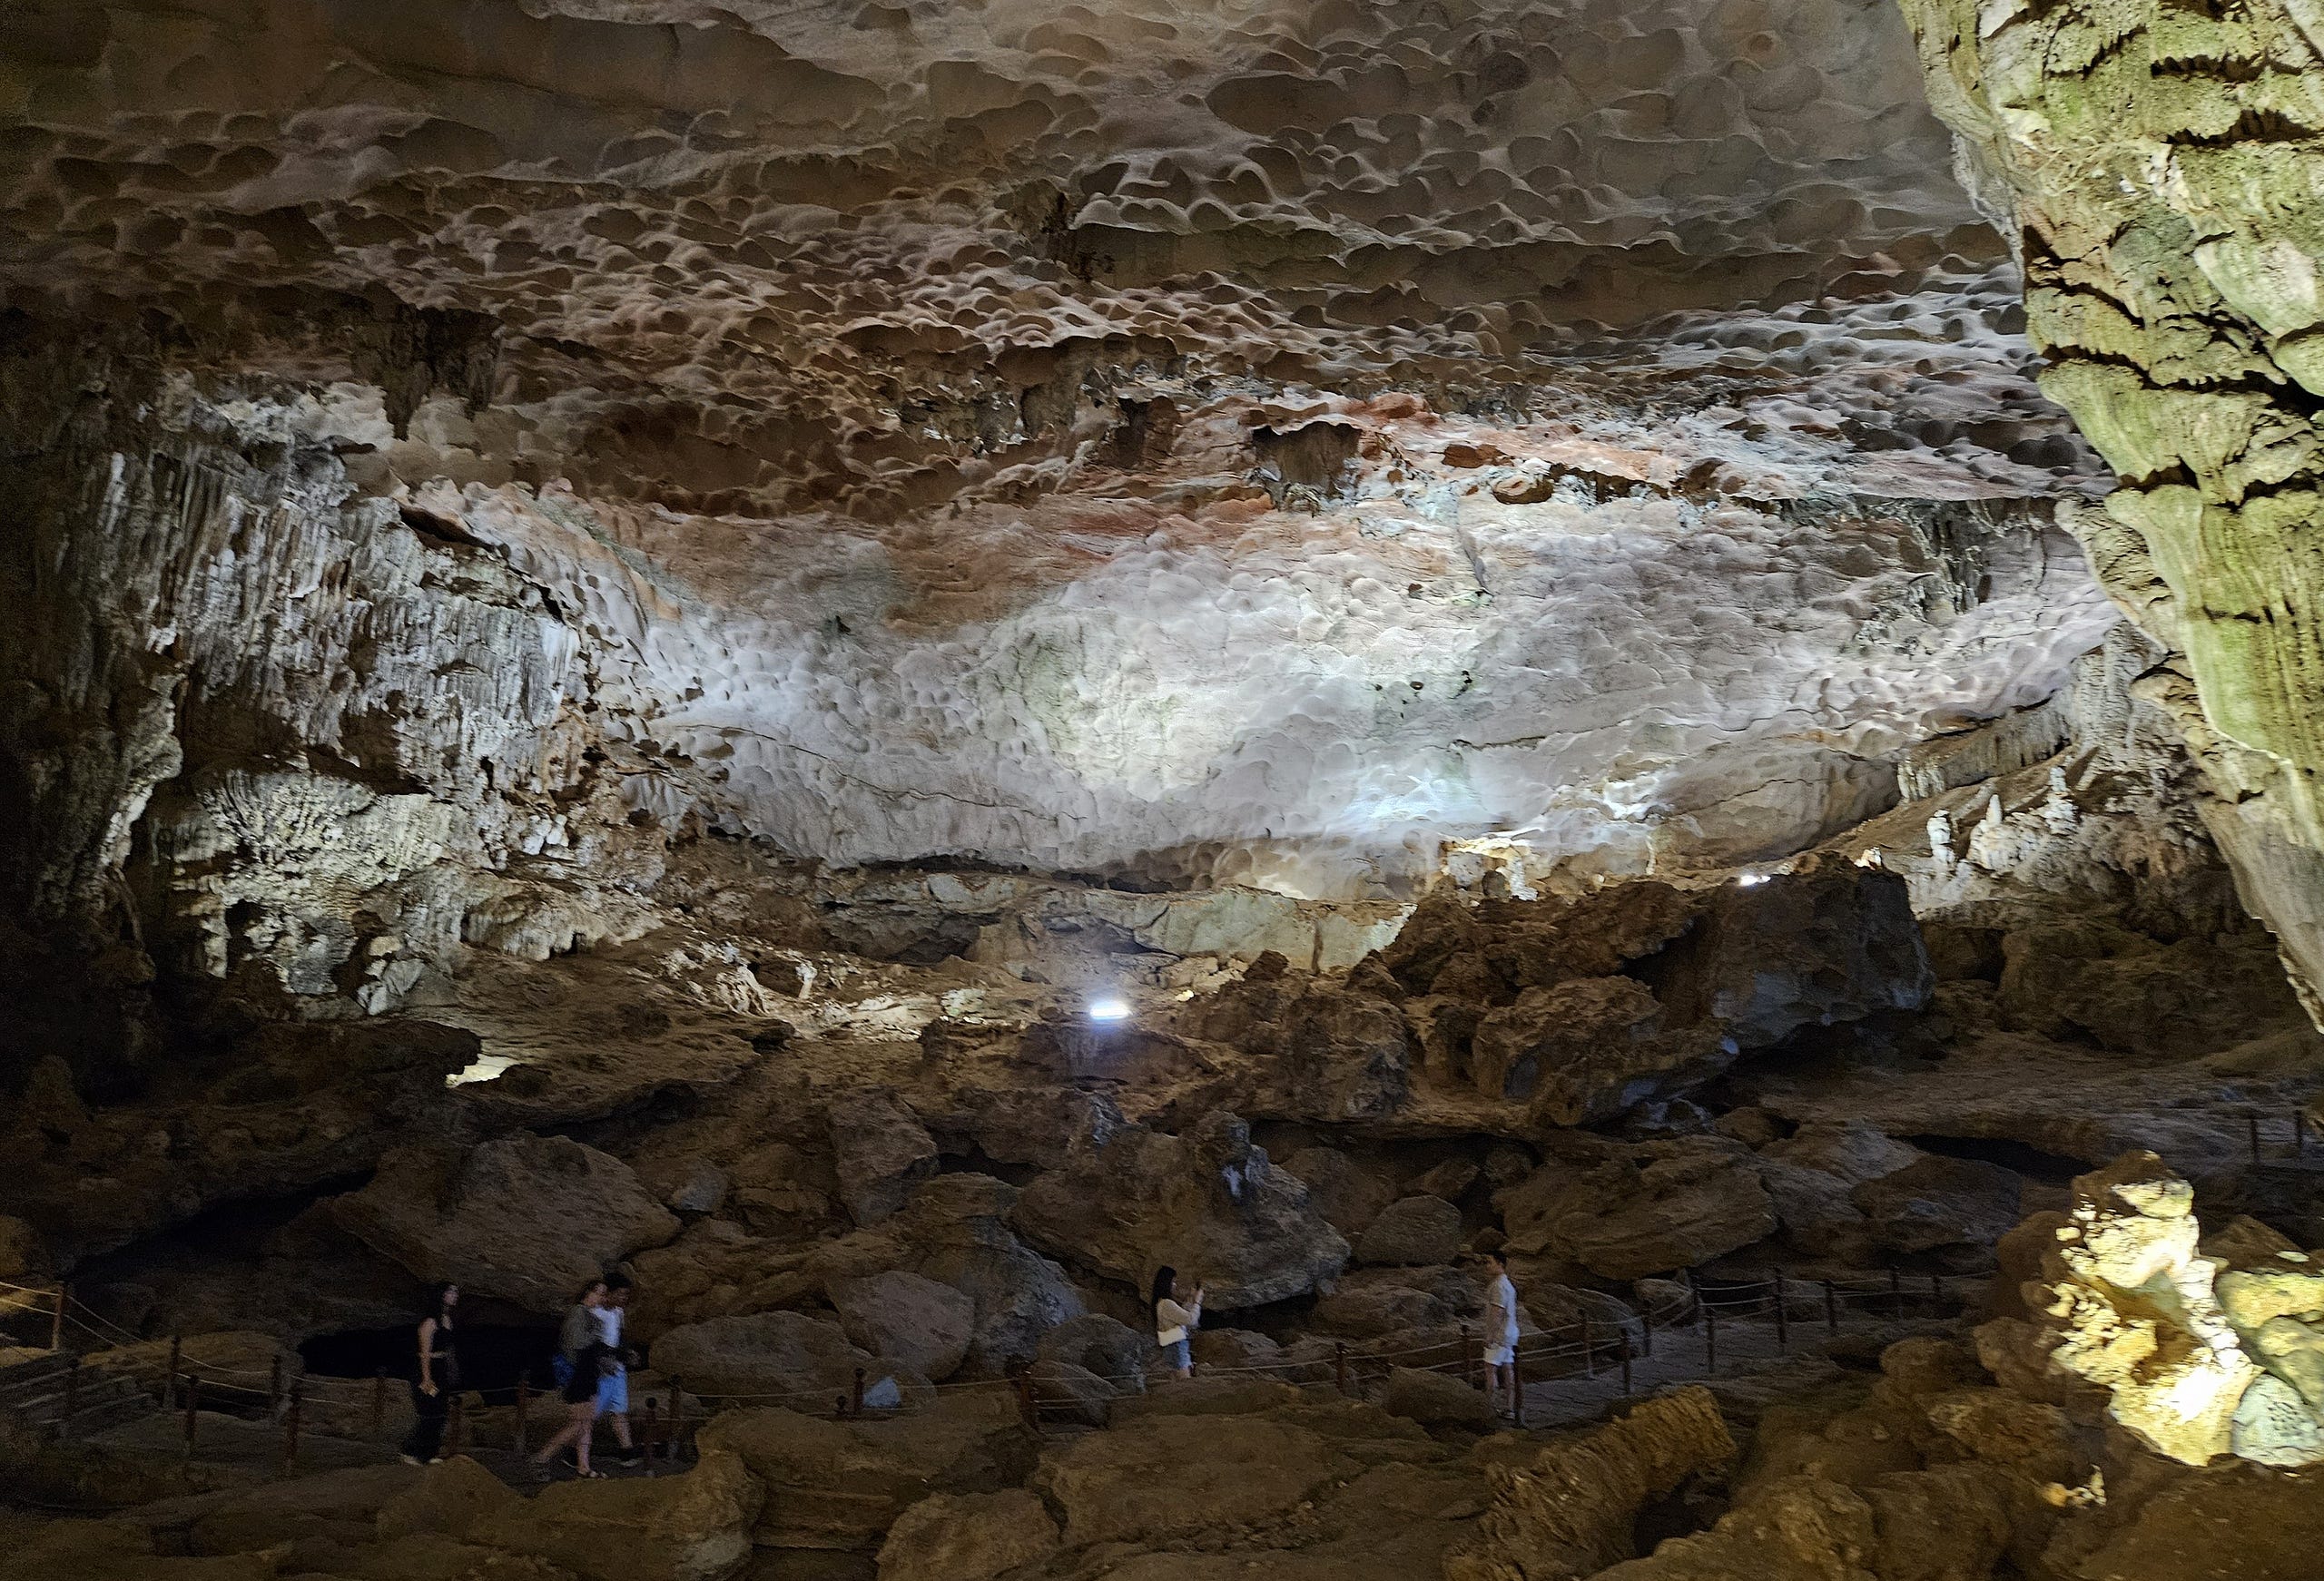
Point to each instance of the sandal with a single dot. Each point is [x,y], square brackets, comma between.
[593,1476]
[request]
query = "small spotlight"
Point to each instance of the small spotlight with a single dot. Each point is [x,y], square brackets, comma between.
[1749,878]
[1109,1009]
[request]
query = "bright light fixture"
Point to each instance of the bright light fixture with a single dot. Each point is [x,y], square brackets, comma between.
[1109,1009]
[1750,877]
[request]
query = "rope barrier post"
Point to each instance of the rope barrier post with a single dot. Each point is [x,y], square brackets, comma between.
[71,1399]
[1936,1294]
[855,1399]
[2253,1121]
[1646,1325]
[1695,1292]
[379,1402]
[1896,1295]
[1469,1359]
[650,1440]
[57,1319]
[1339,1364]
[677,1418]
[274,1387]
[1625,1365]
[1783,1324]
[1022,1379]
[1711,1339]
[169,1379]
[291,1426]
[1831,1308]
[1588,1359]
[192,1404]
[1517,1375]
[525,1414]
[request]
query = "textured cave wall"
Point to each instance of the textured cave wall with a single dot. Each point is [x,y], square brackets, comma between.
[454,452]
[2161,163]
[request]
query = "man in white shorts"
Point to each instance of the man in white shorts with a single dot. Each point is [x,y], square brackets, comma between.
[1501,1335]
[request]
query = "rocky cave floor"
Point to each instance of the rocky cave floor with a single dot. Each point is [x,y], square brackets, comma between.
[1759,1143]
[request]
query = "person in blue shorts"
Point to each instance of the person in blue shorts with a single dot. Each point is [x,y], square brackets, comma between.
[613,1388]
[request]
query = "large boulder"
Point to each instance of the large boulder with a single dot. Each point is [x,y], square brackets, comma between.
[961,1235]
[1418,1232]
[880,1151]
[954,1230]
[1436,1399]
[971,1536]
[840,1484]
[528,1219]
[1831,942]
[1625,1213]
[1588,1006]
[1208,1204]
[1589,1049]
[1347,1194]
[2095,979]
[1040,1125]
[694,1527]
[1172,1476]
[912,1319]
[786,1358]
[1854,1151]
[1106,1348]
[1937,1203]
[2129,1306]
[1369,1302]
[1324,1053]
[1573,1509]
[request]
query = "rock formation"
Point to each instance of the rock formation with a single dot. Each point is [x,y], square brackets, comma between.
[882,666]
[2153,171]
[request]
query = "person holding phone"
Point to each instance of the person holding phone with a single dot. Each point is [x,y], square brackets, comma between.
[1175,1322]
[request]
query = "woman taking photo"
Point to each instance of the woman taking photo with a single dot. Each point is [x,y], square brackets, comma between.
[1173,1323]
[437,1380]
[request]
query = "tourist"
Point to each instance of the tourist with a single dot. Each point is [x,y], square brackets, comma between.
[437,1381]
[578,1331]
[580,1348]
[1501,1335]
[1173,1323]
[590,1365]
[613,1388]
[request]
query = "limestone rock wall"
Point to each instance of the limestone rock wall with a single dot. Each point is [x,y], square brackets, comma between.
[2159,167]
[1306,449]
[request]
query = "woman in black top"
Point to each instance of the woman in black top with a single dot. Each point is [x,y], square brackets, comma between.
[437,1381]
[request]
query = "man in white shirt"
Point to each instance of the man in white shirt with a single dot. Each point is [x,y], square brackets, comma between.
[613,1388]
[1501,1335]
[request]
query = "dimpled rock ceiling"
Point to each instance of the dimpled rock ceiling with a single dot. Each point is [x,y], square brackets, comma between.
[1234,443]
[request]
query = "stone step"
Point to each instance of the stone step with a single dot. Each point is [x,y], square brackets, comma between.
[26,1360]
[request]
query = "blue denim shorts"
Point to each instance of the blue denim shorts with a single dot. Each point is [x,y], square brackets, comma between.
[613,1391]
[1177,1355]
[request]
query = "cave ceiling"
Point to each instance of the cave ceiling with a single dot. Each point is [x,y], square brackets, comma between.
[1256,442]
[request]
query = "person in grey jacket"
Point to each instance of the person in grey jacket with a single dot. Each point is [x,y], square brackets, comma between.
[579,1350]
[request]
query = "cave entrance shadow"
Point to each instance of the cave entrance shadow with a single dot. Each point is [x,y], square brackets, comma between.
[494,1358]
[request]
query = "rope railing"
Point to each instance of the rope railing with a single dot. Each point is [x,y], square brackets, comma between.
[1592,1346]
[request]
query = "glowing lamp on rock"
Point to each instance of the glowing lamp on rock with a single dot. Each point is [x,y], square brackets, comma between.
[1109,1009]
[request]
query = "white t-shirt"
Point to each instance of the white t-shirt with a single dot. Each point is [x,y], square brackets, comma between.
[1172,1320]
[609,1327]
[1501,1296]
